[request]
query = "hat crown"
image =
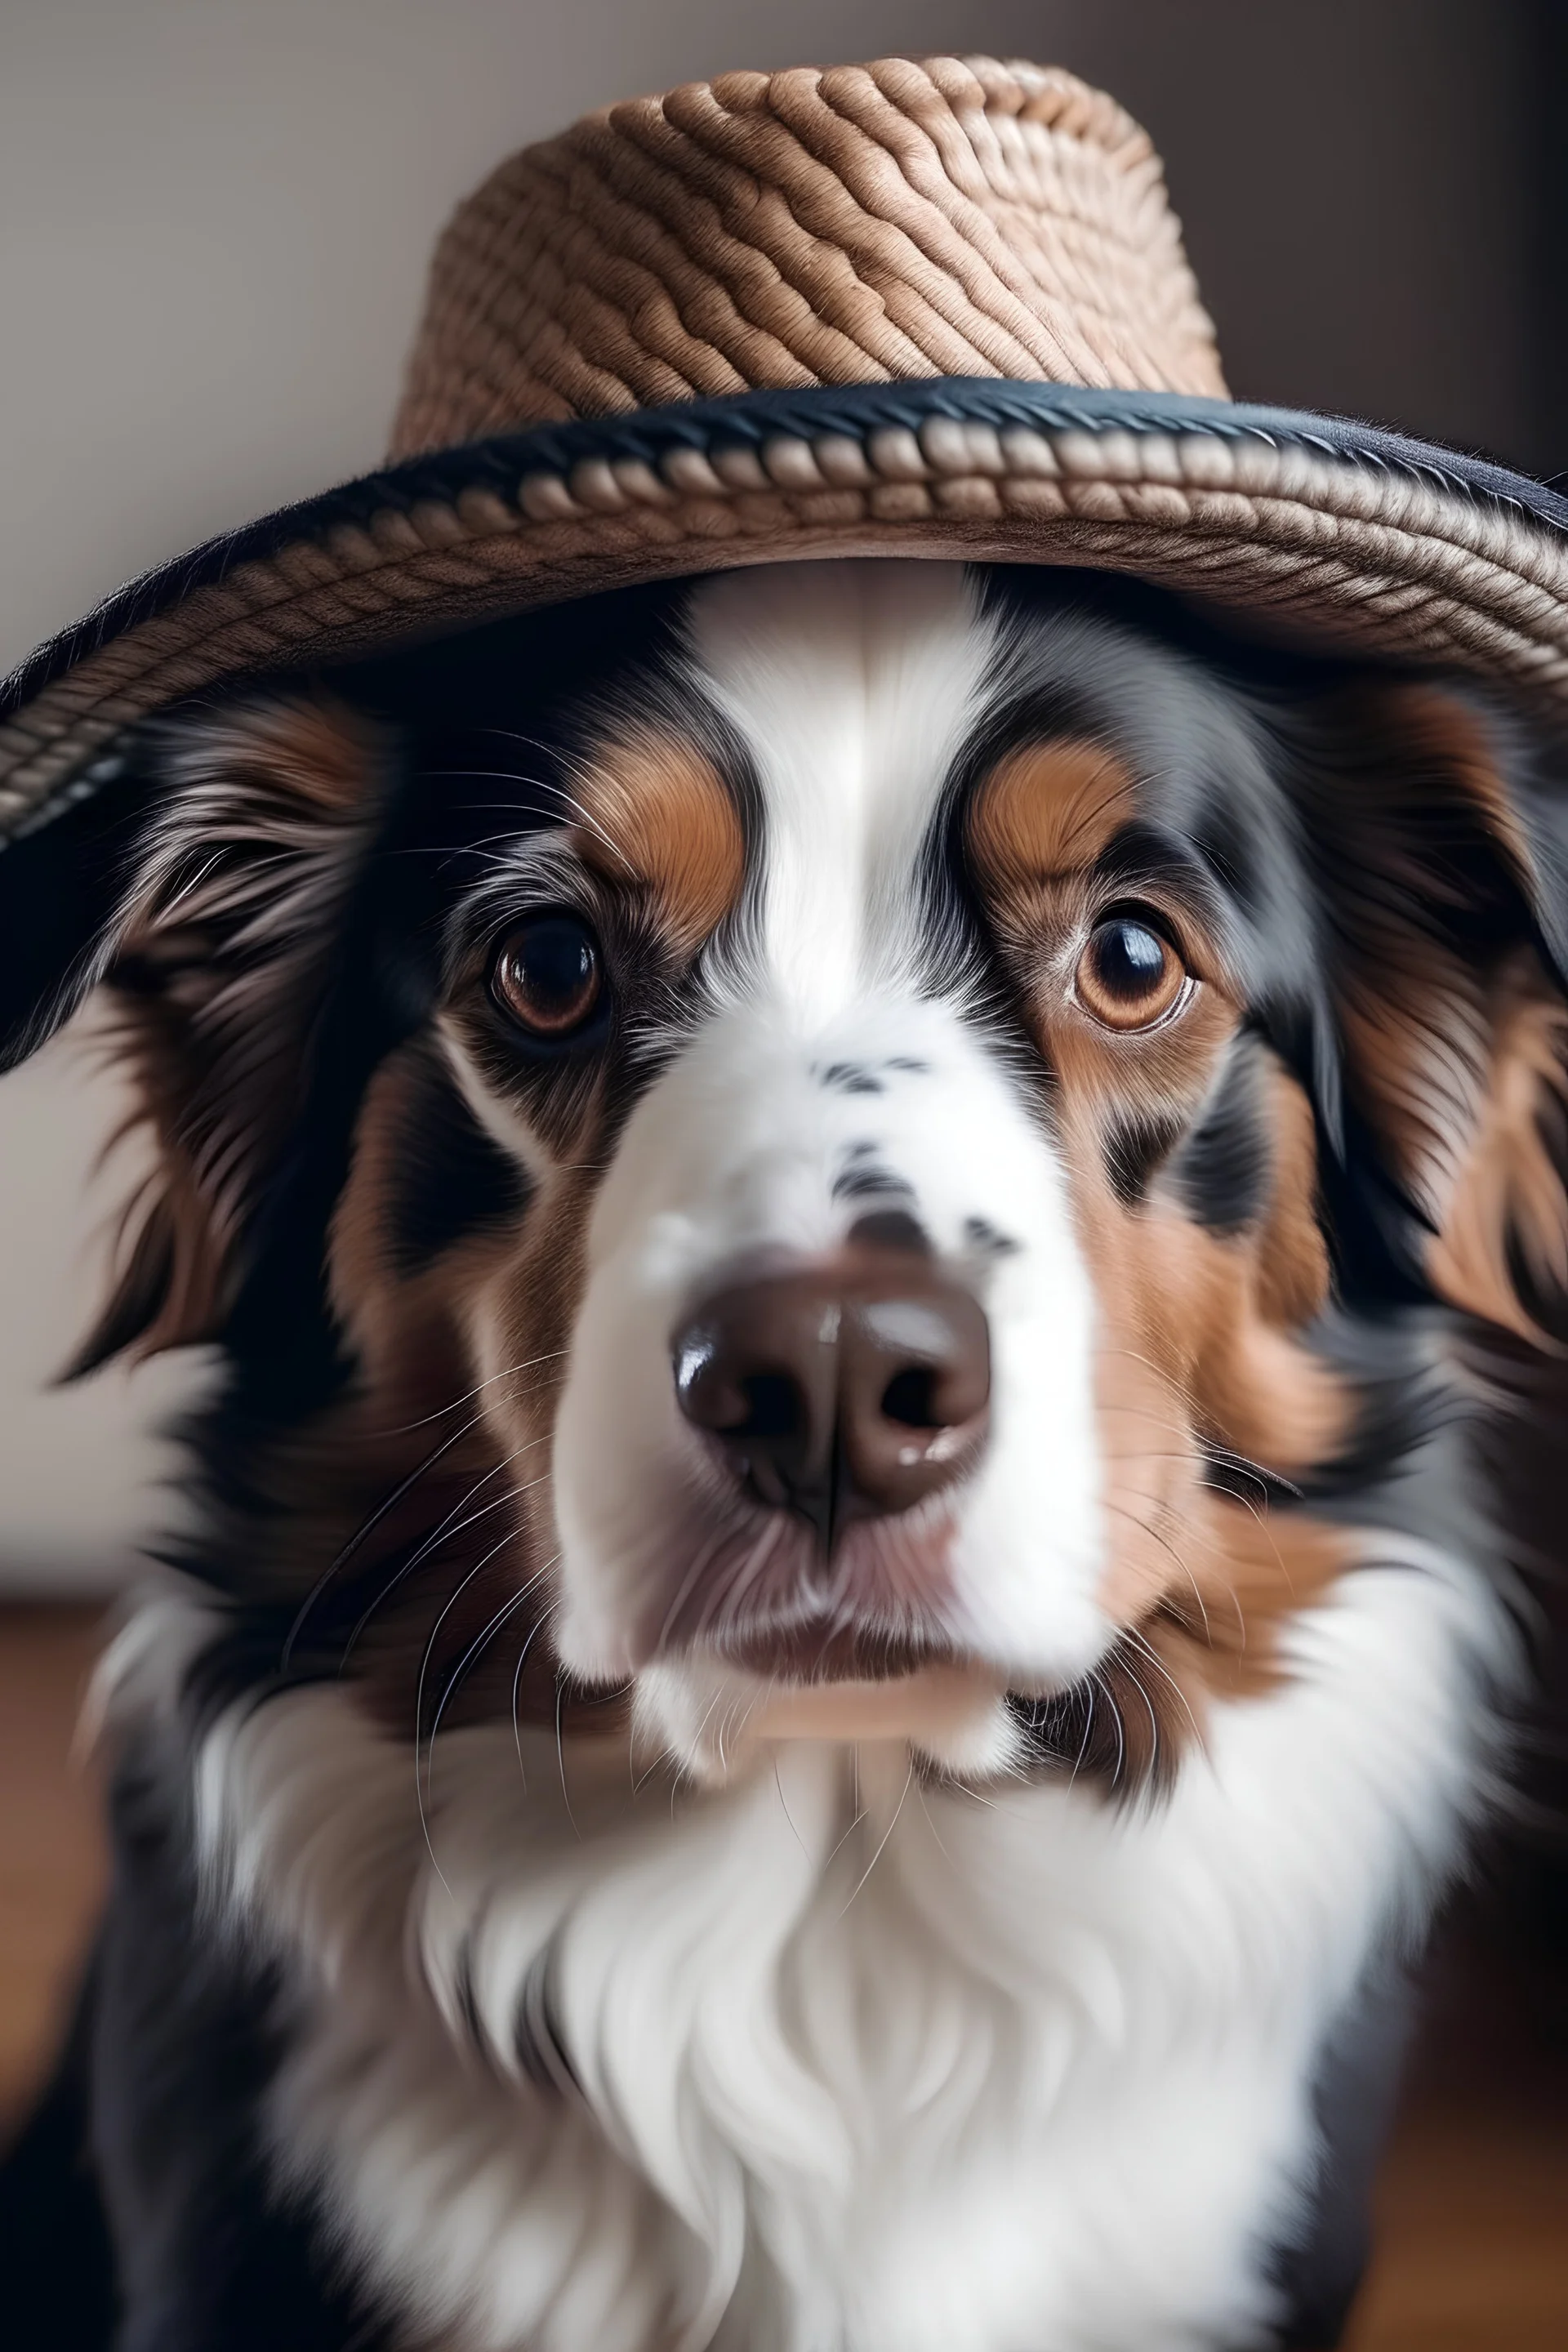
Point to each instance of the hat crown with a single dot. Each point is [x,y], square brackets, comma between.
[862,224]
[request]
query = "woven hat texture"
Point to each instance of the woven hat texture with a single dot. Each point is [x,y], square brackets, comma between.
[934,308]
[862,224]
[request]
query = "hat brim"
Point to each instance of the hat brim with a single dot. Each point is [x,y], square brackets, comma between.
[1316,527]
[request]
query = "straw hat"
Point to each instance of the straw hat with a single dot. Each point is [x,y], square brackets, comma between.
[919,308]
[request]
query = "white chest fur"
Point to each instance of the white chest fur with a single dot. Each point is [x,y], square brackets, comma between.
[846,2064]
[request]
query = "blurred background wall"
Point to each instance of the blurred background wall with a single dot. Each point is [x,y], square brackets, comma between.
[213,221]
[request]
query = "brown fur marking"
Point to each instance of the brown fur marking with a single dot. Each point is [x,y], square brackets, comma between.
[1508,1188]
[655,811]
[1048,809]
[1212,1636]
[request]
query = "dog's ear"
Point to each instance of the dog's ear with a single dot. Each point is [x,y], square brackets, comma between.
[221,962]
[1440,832]
[61,882]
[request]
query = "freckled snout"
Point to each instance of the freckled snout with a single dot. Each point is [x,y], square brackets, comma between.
[845,1391]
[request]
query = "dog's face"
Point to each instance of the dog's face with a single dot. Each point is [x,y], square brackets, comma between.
[853,1151]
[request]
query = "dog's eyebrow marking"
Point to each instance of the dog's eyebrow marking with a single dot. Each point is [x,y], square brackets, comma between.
[656,810]
[1047,808]
[850,1078]
[981,1234]
[908,1063]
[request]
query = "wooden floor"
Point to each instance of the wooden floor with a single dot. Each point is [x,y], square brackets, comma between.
[1473,2211]
[51,1847]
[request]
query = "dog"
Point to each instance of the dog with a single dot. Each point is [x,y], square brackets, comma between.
[843,1621]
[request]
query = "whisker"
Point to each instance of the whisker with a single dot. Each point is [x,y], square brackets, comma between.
[1131,1633]
[887,1833]
[443,1533]
[1155,1536]
[508,1372]
[418,1773]
[480,1641]
[1108,1695]
[366,1529]
[717,1536]
[546,787]
[1228,1455]
[441,1616]
[1136,1681]
[404,1488]
[1088,1733]
[741,1577]
[784,1800]
[931,1824]
[542,1620]
[561,1754]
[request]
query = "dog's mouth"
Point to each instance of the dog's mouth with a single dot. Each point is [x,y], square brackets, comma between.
[749,1630]
[849,1645]
[763,1595]
[811,1655]
[949,1709]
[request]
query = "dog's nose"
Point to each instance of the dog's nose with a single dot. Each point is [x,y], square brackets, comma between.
[841,1393]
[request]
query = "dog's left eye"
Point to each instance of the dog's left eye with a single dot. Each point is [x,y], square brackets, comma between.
[1129,975]
[549,976]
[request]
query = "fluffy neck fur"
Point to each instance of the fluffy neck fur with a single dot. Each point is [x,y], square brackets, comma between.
[830,2061]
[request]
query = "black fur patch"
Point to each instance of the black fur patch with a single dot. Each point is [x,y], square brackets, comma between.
[1357,2082]
[454,1179]
[57,2276]
[1222,1172]
[1246,1482]
[1134,1151]
[185,2045]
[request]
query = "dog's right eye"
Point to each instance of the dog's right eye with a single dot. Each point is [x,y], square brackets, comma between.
[549,977]
[1129,976]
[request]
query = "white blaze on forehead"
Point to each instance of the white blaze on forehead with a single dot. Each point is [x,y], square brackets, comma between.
[853,685]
